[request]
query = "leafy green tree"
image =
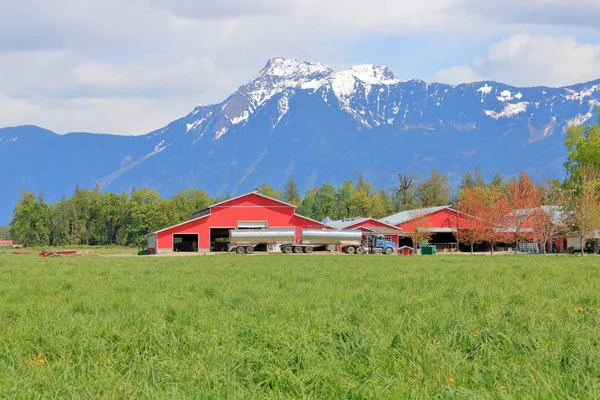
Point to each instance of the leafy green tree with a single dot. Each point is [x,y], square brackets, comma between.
[583,149]
[147,212]
[434,191]
[364,200]
[268,191]
[86,206]
[30,222]
[220,199]
[325,202]
[290,193]
[112,216]
[344,200]
[307,205]
[59,233]
[186,202]
[405,194]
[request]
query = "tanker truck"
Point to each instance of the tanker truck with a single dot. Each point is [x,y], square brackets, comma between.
[247,240]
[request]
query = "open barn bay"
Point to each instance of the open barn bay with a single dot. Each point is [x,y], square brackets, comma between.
[300,327]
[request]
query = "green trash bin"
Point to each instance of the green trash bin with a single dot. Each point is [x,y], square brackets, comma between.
[428,250]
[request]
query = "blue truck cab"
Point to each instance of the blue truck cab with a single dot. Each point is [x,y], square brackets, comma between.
[386,246]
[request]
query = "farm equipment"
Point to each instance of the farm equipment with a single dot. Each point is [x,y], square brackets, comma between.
[58,253]
[350,241]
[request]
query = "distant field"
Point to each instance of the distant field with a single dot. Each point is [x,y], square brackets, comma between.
[300,327]
[3,232]
[95,249]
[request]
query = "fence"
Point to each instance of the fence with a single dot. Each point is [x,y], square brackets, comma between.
[446,247]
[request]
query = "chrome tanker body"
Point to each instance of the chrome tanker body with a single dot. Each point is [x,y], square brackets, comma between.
[267,236]
[351,240]
[244,240]
[318,237]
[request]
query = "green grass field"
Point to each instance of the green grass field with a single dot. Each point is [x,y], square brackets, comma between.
[300,327]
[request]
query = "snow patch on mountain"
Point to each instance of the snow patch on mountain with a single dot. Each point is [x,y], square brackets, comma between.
[220,133]
[578,120]
[241,118]
[581,95]
[508,111]
[282,106]
[485,89]
[505,95]
[194,125]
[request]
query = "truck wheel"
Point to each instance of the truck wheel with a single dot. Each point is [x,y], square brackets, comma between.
[389,250]
[240,250]
[360,250]
[249,249]
[287,249]
[308,249]
[297,249]
[350,250]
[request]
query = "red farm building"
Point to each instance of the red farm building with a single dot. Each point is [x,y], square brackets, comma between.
[369,226]
[530,222]
[210,227]
[441,221]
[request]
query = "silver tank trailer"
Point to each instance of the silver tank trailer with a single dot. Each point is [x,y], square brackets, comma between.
[261,236]
[327,237]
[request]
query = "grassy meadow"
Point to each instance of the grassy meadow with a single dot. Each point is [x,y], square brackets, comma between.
[300,327]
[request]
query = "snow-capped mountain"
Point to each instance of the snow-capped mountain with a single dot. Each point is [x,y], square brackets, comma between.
[317,123]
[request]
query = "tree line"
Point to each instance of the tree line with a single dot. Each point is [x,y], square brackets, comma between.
[92,217]
[106,218]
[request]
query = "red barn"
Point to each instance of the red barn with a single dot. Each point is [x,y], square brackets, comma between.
[6,243]
[441,221]
[210,226]
[370,225]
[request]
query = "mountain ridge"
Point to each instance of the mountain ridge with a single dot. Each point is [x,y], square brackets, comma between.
[319,124]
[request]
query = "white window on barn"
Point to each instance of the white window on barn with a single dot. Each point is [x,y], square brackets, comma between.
[252,224]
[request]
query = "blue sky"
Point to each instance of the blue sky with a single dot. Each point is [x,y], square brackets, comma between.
[131,67]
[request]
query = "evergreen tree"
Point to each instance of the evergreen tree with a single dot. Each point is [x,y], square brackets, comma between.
[290,193]
[498,181]
[479,181]
[386,202]
[468,181]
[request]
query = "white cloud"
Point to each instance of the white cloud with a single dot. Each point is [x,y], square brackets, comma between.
[119,115]
[456,75]
[529,60]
